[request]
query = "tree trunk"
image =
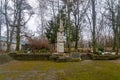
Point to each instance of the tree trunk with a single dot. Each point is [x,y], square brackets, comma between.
[18,27]
[114,42]
[8,47]
[117,42]
[18,39]
[0,25]
[76,40]
[118,29]
[69,27]
[0,37]
[7,27]
[94,25]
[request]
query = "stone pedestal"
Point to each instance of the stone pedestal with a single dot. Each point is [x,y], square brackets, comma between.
[60,47]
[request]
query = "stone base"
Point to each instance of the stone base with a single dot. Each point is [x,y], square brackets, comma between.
[60,47]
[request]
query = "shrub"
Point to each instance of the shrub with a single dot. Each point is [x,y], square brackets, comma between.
[101,48]
[38,44]
[5,58]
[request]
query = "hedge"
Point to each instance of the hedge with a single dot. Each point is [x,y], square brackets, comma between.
[30,56]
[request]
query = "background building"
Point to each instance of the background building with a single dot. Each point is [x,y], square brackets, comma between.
[3,41]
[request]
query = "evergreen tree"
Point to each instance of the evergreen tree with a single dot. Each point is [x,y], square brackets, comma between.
[53,25]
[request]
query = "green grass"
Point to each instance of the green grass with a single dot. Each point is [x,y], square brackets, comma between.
[48,70]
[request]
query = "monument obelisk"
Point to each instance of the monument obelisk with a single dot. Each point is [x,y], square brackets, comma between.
[60,38]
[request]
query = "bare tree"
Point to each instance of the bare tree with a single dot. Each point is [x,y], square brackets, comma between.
[79,10]
[15,19]
[9,35]
[69,26]
[111,16]
[55,8]
[118,28]
[42,8]
[93,25]
[1,19]
[21,6]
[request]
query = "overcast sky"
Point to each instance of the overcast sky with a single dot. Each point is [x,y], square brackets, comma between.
[32,23]
[35,20]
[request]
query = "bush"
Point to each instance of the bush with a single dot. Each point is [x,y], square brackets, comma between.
[38,44]
[101,48]
[5,58]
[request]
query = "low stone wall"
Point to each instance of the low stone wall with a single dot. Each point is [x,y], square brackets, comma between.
[104,57]
[86,56]
[44,56]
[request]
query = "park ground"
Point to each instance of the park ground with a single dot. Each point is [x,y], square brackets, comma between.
[50,70]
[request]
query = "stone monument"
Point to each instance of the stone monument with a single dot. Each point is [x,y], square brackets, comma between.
[60,38]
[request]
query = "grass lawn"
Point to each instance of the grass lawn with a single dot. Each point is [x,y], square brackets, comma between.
[48,70]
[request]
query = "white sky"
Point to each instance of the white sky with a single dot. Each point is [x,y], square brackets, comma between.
[35,20]
[33,23]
